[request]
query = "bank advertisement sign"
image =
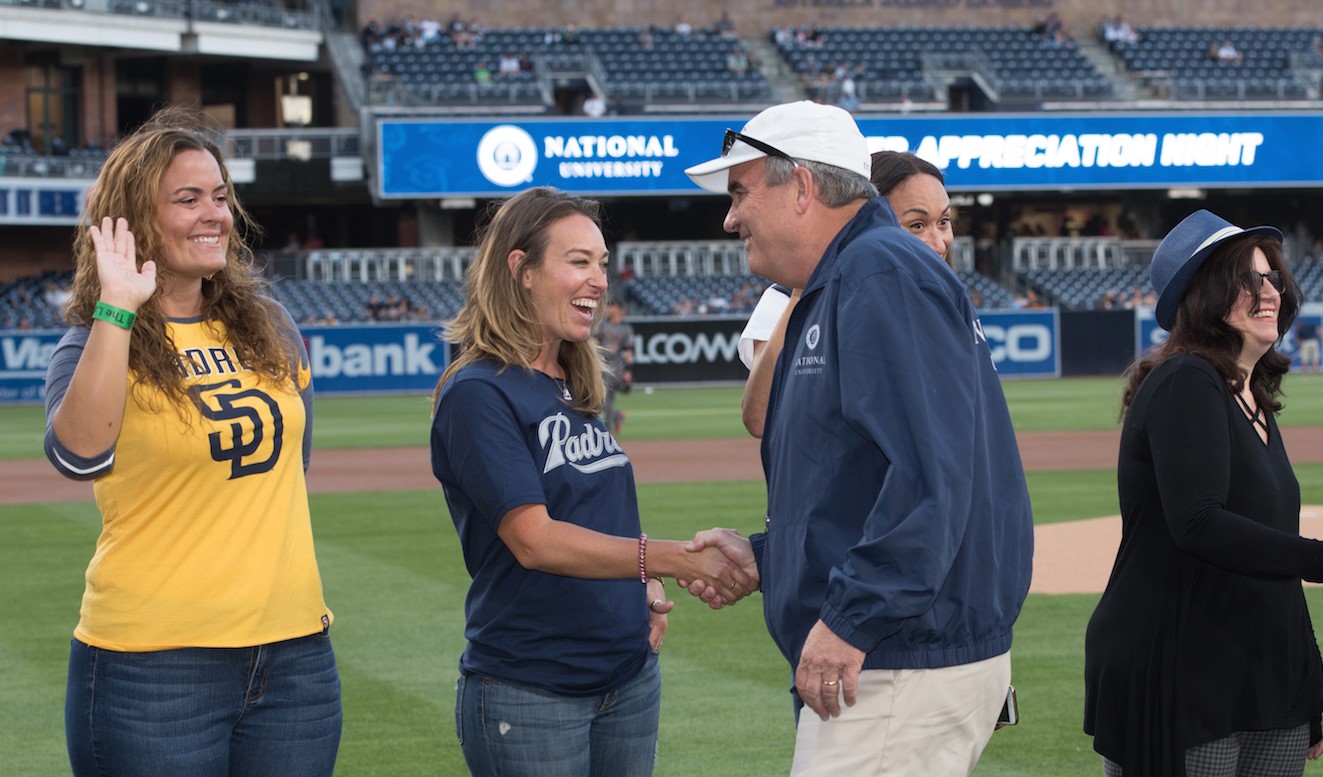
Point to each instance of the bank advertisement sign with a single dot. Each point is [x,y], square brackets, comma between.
[425,158]
[406,358]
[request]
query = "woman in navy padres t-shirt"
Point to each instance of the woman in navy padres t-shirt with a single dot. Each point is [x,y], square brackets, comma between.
[566,611]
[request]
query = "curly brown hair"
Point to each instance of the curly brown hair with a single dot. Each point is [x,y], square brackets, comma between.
[128,187]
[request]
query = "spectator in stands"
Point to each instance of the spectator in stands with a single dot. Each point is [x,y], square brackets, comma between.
[525,63]
[849,95]
[683,28]
[594,106]
[56,294]
[570,35]
[184,391]
[461,34]
[1097,225]
[1225,52]
[1317,46]
[737,61]
[916,191]
[543,500]
[906,103]
[429,32]
[881,478]
[725,26]
[623,286]
[19,296]
[371,35]
[482,73]
[1200,657]
[375,308]
[1117,30]
[746,297]
[1051,29]
[717,304]
[508,66]
[646,40]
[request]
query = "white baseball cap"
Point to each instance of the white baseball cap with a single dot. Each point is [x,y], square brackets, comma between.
[798,130]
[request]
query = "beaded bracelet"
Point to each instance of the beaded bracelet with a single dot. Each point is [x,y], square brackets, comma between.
[118,316]
[643,558]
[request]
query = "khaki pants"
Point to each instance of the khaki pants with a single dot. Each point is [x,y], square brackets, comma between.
[907,722]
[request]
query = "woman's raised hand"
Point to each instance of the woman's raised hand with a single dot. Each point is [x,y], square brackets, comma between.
[123,283]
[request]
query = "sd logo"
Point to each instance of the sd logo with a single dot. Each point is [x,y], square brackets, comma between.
[251,416]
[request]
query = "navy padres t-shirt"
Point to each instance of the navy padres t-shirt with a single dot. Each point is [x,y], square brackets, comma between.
[505,438]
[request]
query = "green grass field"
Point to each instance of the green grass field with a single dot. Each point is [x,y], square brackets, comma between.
[394,576]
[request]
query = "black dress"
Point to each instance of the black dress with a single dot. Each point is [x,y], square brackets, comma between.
[1203,629]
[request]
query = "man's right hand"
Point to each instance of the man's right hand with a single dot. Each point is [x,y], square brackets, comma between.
[736,548]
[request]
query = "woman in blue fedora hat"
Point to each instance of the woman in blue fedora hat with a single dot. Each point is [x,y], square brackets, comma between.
[1200,658]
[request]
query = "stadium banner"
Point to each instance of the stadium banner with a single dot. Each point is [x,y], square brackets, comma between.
[1024,344]
[23,359]
[670,349]
[644,156]
[1149,334]
[408,358]
[375,359]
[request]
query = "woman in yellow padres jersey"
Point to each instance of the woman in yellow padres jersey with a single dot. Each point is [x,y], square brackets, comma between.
[183,391]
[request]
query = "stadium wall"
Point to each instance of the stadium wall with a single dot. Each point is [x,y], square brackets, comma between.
[408,358]
[754,19]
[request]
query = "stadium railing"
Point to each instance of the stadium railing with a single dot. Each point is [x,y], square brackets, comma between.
[382,264]
[1064,253]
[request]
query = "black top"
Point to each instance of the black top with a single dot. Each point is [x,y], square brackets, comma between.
[1203,628]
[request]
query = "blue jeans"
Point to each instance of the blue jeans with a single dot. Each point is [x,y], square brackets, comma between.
[512,730]
[204,712]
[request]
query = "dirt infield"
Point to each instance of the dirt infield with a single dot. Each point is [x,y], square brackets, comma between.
[1071,557]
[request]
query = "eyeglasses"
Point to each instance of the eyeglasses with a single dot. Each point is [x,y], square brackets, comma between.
[731,136]
[1253,281]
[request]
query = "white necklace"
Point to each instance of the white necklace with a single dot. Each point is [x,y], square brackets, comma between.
[564,389]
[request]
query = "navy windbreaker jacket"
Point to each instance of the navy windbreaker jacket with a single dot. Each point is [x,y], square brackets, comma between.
[897,506]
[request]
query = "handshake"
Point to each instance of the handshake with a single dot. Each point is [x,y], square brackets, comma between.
[725,571]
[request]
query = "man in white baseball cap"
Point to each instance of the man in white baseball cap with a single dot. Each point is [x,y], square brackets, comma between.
[800,130]
[898,539]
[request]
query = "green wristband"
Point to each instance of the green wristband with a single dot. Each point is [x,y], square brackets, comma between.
[118,316]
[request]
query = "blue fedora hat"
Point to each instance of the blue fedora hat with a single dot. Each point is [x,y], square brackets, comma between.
[1182,252]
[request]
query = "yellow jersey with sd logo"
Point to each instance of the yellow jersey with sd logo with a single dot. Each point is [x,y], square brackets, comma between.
[206,538]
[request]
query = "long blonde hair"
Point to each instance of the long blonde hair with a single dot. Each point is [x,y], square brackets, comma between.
[128,186]
[498,320]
